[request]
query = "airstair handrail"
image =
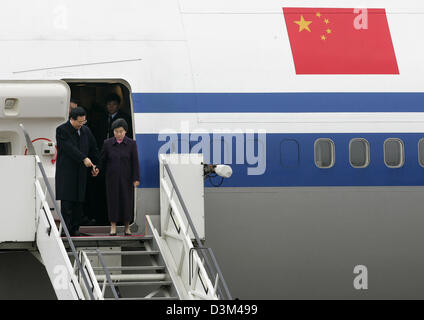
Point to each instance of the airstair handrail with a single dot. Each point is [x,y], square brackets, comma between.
[201,248]
[31,151]
[107,274]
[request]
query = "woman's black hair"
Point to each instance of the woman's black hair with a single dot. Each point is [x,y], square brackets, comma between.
[77,112]
[118,123]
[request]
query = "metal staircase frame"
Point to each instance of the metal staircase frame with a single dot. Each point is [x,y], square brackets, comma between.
[51,234]
[196,257]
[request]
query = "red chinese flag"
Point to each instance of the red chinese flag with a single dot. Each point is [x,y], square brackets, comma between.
[340,41]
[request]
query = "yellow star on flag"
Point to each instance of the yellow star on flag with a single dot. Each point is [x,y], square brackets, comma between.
[303,24]
[329,31]
[327,21]
[323,37]
[318,15]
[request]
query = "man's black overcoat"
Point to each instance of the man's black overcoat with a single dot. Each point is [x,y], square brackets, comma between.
[72,149]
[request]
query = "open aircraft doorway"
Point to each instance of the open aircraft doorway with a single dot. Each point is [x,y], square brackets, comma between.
[92,95]
[5,149]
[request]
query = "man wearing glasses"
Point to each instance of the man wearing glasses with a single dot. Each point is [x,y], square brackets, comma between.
[76,153]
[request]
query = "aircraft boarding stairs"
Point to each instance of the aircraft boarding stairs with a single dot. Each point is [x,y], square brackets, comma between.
[124,268]
[173,265]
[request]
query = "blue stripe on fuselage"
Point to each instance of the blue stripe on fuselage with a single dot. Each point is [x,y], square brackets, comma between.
[278,102]
[288,172]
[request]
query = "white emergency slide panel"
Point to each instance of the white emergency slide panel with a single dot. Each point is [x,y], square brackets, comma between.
[40,105]
[18,199]
[33,99]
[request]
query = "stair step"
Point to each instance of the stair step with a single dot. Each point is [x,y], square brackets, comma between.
[124,253]
[133,277]
[152,298]
[131,268]
[109,238]
[139,283]
[121,253]
[107,241]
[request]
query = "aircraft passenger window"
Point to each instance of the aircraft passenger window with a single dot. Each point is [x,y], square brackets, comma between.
[289,153]
[5,149]
[421,152]
[324,153]
[359,153]
[394,153]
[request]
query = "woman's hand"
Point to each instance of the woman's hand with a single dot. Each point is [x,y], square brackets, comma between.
[136,184]
[94,171]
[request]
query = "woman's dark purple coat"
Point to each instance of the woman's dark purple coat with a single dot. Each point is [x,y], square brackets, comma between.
[120,164]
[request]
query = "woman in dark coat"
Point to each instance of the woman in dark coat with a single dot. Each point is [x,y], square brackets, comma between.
[119,161]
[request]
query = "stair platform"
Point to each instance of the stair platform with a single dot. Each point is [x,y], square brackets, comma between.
[104,240]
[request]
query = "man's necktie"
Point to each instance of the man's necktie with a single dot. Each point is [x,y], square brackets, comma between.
[109,126]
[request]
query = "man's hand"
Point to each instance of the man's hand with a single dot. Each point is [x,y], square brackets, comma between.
[94,171]
[88,163]
[136,184]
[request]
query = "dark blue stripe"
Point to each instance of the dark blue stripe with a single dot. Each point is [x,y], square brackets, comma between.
[298,171]
[278,102]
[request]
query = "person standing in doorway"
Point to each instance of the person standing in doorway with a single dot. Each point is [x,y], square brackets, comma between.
[119,162]
[76,153]
[113,103]
[73,104]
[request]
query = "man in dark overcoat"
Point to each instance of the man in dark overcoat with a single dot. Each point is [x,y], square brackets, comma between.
[76,152]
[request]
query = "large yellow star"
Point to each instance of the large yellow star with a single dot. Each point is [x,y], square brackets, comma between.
[303,24]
